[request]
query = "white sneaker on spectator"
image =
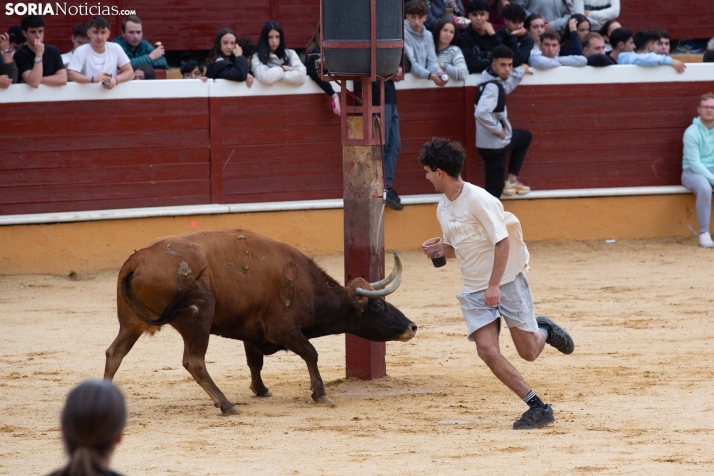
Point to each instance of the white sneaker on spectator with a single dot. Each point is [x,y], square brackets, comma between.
[515,188]
[705,240]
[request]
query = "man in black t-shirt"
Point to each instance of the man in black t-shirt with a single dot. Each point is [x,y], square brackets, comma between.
[38,63]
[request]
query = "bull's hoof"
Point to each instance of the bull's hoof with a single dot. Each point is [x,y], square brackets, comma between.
[265,392]
[232,410]
[268,393]
[323,399]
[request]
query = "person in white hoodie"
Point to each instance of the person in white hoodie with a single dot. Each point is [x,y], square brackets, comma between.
[598,12]
[274,62]
[698,165]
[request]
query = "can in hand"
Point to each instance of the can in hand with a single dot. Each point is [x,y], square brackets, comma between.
[444,77]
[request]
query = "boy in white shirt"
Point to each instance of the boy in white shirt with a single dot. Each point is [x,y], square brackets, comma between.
[488,244]
[99,60]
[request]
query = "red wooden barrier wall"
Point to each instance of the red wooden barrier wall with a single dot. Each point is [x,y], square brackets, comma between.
[192,24]
[92,155]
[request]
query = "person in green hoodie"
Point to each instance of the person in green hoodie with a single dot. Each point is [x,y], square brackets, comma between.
[137,48]
[698,164]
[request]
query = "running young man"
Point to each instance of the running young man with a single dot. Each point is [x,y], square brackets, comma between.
[488,244]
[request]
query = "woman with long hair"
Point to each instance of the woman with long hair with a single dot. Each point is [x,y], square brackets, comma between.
[605,31]
[226,60]
[92,421]
[274,62]
[578,27]
[312,54]
[451,59]
[535,26]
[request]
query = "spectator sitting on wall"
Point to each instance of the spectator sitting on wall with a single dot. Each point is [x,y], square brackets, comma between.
[594,50]
[137,48]
[144,71]
[578,27]
[494,135]
[514,35]
[312,55]
[598,12]
[439,9]
[38,63]
[17,37]
[556,12]
[495,14]
[549,58]
[622,42]
[708,57]
[274,61]
[535,25]
[477,41]
[419,47]
[645,43]
[226,60]
[450,57]
[190,69]
[79,38]
[99,60]
[605,31]
[663,45]
[8,68]
[698,165]
[92,424]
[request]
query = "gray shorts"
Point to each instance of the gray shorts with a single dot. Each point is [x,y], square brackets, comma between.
[516,307]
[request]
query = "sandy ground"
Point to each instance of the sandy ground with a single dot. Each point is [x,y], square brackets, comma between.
[634,398]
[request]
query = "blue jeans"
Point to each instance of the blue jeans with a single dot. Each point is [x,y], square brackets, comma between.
[392,142]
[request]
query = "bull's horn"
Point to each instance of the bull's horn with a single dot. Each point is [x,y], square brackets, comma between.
[391,287]
[380,284]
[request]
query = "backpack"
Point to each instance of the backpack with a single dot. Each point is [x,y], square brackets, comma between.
[501,105]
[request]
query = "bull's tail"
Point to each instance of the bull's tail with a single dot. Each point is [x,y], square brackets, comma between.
[184,300]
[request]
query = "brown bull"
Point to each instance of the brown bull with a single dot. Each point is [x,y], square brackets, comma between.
[241,285]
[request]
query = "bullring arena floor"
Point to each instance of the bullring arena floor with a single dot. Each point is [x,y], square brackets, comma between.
[634,398]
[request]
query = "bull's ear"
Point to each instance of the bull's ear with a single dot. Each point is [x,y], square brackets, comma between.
[360,301]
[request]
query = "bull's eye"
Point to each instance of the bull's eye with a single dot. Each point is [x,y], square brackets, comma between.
[377,305]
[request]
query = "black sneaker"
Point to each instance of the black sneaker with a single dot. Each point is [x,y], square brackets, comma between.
[534,418]
[557,336]
[393,200]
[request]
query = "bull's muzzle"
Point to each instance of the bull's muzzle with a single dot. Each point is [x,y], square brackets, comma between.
[409,333]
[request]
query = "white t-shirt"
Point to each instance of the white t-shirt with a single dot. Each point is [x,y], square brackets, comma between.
[473,224]
[90,63]
[67,57]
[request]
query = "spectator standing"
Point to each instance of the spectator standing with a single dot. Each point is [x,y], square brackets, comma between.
[488,244]
[92,423]
[494,136]
[535,25]
[698,165]
[645,43]
[312,54]
[549,58]
[594,50]
[556,12]
[450,57]
[36,62]
[274,61]
[578,27]
[598,12]
[226,60]
[79,38]
[137,48]
[514,35]
[439,9]
[190,69]
[663,45]
[99,60]
[622,42]
[8,68]
[419,47]
[144,71]
[477,40]
[605,31]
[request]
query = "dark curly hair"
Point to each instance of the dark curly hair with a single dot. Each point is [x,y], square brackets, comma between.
[440,153]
